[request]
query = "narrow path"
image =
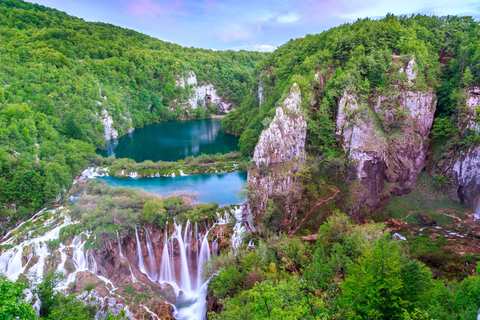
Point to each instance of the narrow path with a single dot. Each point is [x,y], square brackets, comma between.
[442,212]
[336,191]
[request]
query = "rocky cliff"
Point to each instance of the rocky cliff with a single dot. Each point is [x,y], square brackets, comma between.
[462,167]
[201,94]
[386,140]
[279,154]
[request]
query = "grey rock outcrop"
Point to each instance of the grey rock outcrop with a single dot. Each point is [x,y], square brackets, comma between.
[279,154]
[465,169]
[104,305]
[202,93]
[108,122]
[386,142]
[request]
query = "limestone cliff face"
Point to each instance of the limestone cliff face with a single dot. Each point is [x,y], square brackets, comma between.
[464,168]
[201,94]
[386,141]
[279,154]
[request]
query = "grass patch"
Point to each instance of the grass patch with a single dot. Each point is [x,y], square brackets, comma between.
[428,200]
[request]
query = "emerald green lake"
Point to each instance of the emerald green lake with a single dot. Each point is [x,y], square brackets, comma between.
[172,141]
[221,188]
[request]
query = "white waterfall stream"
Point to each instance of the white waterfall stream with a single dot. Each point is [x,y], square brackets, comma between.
[120,247]
[185,251]
[151,257]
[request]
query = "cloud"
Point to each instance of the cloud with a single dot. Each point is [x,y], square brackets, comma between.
[142,8]
[233,34]
[255,47]
[291,17]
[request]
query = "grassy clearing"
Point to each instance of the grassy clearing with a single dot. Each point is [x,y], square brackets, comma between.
[427,200]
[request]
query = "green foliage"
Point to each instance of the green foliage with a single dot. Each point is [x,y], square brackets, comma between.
[12,305]
[443,128]
[56,305]
[59,75]
[153,213]
[467,77]
[275,300]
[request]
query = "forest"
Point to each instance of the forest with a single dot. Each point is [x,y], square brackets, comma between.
[59,73]
[359,56]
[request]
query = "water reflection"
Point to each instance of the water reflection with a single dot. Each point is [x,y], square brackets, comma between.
[172,141]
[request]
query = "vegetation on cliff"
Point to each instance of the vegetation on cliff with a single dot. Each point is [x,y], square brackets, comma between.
[60,73]
[363,58]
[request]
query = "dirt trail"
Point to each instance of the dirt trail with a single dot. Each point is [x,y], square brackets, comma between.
[442,212]
[336,191]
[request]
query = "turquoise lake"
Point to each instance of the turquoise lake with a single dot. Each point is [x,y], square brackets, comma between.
[172,141]
[221,188]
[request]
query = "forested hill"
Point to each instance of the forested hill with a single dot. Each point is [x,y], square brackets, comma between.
[362,57]
[58,74]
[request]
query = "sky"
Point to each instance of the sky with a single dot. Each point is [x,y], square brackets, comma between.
[260,25]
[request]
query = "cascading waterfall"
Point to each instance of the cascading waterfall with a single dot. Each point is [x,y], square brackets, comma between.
[185,251]
[120,247]
[141,265]
[166,270]
[184,269]
[203,257]
[151,257]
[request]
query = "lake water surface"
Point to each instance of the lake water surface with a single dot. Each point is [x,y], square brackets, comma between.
[221,188]
[172,141]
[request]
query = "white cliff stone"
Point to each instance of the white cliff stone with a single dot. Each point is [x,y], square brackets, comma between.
[410,71]
[467,119]
[104,305]
[284,139]
[107,121]
[466,168]
[281,148]
[202,94]
[380,156]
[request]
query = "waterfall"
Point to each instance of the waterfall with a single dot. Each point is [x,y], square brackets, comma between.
[476,215]
[203,257]
[120,247]
[184,270]
[215,247]
[141,266]
[81,262]
[41,250]
[166,270]
[151,257]
[238,230]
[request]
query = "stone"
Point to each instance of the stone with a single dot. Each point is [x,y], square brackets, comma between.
[279,155]
[284,139]
[381,157]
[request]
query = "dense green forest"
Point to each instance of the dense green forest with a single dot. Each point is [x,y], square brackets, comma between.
[360,56]
[59,73]
[352,272]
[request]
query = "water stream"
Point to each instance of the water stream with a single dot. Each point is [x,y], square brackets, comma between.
[187,245]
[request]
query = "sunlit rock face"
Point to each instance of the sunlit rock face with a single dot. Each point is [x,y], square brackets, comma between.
[284,139]
[464,166]
[387,141]
[201,94]
[108,122]
[279,154]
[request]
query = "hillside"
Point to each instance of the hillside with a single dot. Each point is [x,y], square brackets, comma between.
[66,85]
[384,100]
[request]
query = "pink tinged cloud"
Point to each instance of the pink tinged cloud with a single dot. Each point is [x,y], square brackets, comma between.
[233,35]
[153,8]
